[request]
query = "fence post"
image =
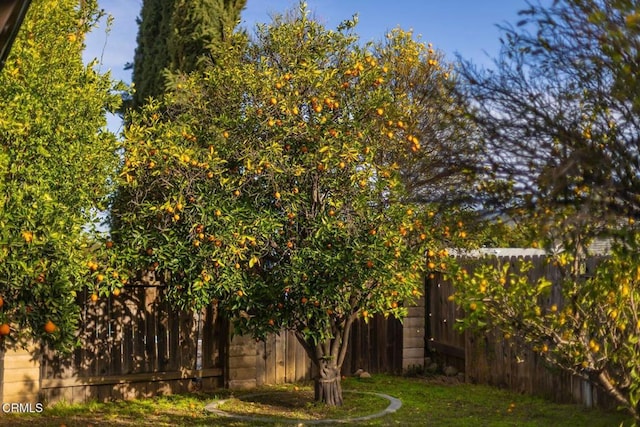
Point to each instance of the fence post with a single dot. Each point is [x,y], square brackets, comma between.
[413,334]
[21,375]
[242,362]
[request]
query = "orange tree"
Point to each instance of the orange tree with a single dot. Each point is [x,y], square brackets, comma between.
[559,119]
[585,323]
[55,162]
[271,185]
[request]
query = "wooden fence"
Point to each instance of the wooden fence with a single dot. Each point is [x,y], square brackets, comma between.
[137,345]
[489,358]
[380,345]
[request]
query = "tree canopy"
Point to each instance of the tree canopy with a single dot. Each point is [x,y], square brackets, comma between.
[58,163]
[271,183]
[558,117]
[175,36]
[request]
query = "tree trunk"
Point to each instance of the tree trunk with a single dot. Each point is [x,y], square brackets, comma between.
[328,389]
[328,356]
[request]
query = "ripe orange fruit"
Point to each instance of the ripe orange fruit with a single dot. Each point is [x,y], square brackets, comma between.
[109,244]
[100,277]
[240,293]
[369,264]
[304,300]
[50,327]
[277,195]
[94,297]
[271,322]
[5,329]
[27,236]
[1,302]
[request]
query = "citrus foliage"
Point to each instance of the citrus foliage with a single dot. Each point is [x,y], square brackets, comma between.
[592,331]
[56,158]
[271,185]
[559,116]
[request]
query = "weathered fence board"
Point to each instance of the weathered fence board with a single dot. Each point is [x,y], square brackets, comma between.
[376,346]
[137,345]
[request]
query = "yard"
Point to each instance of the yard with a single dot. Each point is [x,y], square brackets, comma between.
[435,401]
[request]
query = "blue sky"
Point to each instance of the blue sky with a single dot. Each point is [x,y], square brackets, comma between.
[464,27]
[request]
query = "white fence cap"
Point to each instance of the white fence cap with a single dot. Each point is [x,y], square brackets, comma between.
[500,252]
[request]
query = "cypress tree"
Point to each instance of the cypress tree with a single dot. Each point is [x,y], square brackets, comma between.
[151,56]
[175,35]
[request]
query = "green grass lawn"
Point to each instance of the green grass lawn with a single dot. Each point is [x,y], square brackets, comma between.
[425,402]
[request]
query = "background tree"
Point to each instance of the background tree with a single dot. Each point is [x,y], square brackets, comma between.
[174,36]
[56,161]
[271,185]
[559,119]
[152,53]
[559,116]
[445,175]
